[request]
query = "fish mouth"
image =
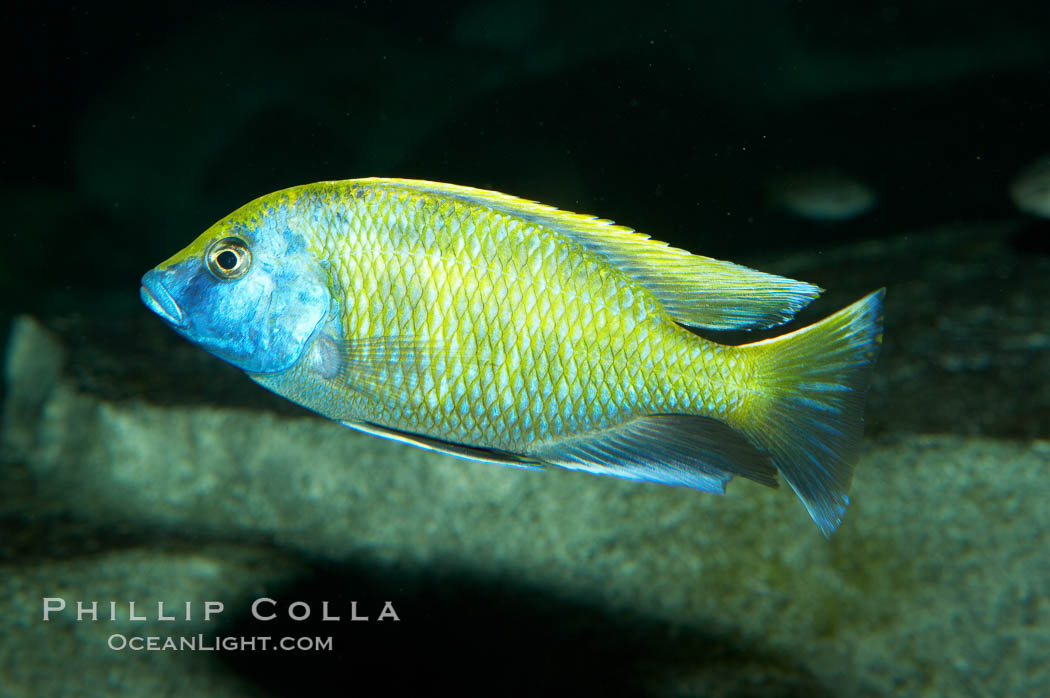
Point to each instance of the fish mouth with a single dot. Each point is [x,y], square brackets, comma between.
[156,297]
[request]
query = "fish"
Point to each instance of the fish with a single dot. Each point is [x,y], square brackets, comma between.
[501,330]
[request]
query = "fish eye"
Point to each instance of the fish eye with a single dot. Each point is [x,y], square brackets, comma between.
[228,259]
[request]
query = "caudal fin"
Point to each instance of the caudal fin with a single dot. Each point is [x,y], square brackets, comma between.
[816,381]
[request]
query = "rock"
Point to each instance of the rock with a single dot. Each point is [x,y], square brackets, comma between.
[34,362]
[939,524]
[89,663]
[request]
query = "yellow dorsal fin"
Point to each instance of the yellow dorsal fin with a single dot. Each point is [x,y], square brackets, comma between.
[695,290]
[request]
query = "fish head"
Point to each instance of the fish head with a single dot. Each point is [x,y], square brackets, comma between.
[249,290]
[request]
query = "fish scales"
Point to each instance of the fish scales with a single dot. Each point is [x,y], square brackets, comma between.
[497,329]
[525,354]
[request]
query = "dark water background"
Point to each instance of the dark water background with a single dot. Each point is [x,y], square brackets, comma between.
[128,129]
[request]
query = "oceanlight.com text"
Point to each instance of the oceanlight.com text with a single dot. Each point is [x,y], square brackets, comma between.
[206,643]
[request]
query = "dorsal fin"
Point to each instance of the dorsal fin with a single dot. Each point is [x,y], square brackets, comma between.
[695,290]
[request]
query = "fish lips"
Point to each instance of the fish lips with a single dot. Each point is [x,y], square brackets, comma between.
[157,298]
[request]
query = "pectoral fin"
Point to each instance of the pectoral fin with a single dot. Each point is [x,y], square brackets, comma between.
[381,367]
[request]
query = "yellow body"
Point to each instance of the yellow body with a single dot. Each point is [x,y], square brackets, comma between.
[531,338]
[499,329]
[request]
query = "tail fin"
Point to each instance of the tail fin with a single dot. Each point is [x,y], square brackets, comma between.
[816,380]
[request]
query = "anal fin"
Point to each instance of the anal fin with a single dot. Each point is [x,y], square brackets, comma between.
[671,449]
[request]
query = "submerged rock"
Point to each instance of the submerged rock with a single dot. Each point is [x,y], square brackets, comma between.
[1030,189]
[822,195]
[934,585]
[937,524]
[96,656]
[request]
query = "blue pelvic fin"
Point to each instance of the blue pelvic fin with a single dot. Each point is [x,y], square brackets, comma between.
[429,443]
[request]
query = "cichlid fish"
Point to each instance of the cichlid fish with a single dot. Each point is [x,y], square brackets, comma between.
[501,330]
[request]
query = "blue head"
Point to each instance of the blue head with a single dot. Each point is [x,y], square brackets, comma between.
[249,290]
